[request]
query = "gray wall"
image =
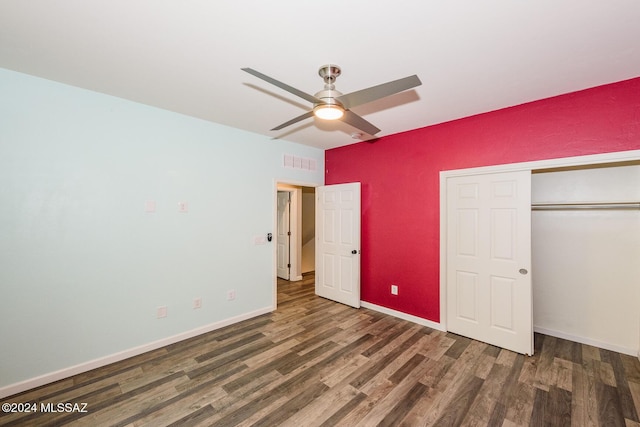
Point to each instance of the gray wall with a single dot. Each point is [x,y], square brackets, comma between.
[83,266]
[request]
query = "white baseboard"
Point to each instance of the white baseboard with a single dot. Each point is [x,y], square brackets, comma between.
[404,316]
[550,332]
[12,389]
[588,341]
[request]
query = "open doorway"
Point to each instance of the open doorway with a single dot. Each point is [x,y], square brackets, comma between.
[295,232]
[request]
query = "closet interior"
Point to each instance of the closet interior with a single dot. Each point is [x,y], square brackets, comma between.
[586,254]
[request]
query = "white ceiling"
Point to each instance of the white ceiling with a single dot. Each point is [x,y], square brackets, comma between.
[185,55]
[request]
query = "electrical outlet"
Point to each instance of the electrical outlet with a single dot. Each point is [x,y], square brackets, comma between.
[231,295]
[394,289]
[162,312]
[197,303]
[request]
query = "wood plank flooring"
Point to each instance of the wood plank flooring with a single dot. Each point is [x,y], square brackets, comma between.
[314,362]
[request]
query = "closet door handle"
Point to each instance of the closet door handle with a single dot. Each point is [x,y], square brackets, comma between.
[523,271]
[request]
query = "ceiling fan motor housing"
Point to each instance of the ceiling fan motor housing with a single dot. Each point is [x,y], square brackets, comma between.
[328,96]
[329,74]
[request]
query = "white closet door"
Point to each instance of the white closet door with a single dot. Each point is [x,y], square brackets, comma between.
[489,258]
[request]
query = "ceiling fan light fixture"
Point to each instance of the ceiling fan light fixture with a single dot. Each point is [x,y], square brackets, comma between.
[328,112]
[330,104]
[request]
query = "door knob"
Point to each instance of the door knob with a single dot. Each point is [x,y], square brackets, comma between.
[354,252]
[523,271]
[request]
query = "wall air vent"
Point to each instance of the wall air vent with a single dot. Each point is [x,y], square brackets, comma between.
[295,162]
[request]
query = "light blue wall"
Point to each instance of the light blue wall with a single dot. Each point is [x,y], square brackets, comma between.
[83,267]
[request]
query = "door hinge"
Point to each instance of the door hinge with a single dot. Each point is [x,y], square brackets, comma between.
[288,265]
[288,233]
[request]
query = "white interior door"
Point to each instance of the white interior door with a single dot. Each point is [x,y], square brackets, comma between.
[283,235]
[338,243]
[489,259]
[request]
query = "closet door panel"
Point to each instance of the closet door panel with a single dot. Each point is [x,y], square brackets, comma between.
[488,259]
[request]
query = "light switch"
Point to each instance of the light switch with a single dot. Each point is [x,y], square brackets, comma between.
[150,206]
[183,207]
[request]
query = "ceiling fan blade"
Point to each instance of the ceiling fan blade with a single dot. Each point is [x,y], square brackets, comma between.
[358,122]
[281,85]
[363,96]
[292,121]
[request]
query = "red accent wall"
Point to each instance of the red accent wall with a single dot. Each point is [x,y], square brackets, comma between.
[400,178]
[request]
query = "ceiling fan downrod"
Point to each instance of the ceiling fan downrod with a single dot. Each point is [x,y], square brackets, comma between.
[330,108]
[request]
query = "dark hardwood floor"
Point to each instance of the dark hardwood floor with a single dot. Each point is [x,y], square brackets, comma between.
[314,362]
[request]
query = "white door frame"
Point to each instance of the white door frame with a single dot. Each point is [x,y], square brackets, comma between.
[593,159]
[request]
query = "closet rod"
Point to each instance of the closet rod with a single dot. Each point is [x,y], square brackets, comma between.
[585,206]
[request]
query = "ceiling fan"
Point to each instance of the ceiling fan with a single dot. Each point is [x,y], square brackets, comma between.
[329,104]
